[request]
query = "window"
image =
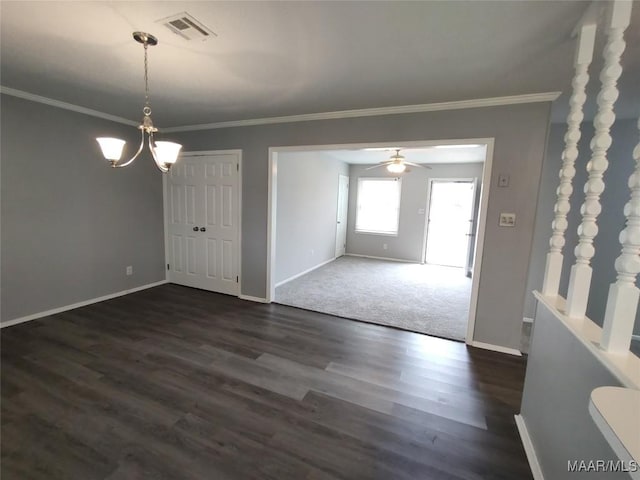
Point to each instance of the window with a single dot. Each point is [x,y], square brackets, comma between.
[378,205]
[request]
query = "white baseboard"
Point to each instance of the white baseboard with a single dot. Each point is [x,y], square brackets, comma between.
[380,258]
[253,299]
[496,348]
[297,275]
[536,471]
[527,320]
[84,303]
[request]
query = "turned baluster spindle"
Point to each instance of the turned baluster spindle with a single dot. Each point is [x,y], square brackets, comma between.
[580,278]
[622,302]
[584,55]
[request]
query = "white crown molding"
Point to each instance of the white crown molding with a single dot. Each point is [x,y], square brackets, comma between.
[364,112]
[370,112]
[66,106]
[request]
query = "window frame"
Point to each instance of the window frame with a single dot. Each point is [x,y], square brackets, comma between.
[397,222]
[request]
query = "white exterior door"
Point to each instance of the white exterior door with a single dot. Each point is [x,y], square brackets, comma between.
[341,220]
[450,222]
[203,222]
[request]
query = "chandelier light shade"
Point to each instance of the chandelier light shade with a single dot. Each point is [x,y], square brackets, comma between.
[111,147]
[165,154]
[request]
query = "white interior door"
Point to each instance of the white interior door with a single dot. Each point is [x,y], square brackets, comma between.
[341,220]
[203,222]
[450,222]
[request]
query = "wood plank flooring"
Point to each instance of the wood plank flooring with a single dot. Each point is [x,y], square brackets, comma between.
[177,383]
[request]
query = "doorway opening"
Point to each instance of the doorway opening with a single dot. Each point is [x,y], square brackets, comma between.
[308,257]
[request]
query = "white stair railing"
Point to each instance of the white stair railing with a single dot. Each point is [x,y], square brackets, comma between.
[584,55]
[622,302]
[619,15]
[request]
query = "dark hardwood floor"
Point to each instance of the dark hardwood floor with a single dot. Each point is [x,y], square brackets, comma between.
[177,383]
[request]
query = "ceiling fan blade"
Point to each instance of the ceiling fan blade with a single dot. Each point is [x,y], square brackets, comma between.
[375,166]
[418,165]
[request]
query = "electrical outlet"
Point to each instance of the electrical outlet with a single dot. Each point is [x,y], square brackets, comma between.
[507,219]
[129,270]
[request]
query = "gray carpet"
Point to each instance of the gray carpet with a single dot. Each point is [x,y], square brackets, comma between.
[423,298]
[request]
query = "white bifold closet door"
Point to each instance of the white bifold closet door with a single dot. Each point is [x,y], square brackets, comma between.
[203,222]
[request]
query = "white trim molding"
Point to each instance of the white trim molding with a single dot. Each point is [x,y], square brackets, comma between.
[371,112]
[495,348]
[84,303]
[66,106]
[401,260]
[534,465]
[363,112]
[308,270]
[253,299]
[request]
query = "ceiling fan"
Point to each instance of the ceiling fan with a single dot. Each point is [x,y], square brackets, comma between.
[397,164]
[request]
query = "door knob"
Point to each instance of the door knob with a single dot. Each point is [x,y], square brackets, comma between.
[202,229]
[195,229]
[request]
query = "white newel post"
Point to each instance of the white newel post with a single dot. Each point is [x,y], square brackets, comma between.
[584,55]
[622,302]
[580,278]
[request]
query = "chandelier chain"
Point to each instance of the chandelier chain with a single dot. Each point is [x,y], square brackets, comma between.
[147,103]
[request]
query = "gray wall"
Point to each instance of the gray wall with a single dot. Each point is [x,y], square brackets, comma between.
[610,222]
[407,245]
[70,224]
[520,132]
[561,374]
[307,206]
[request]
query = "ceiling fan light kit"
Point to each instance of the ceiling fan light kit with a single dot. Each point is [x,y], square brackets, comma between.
[397,164]
[165,154]
[396,167]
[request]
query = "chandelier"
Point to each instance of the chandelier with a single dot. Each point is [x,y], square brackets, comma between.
[164,154]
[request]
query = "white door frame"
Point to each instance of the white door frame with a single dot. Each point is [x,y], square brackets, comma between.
[482,221]
[425,235]
[165,199]
[340,177]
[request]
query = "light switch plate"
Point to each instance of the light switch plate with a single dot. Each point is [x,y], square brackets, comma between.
[507,219]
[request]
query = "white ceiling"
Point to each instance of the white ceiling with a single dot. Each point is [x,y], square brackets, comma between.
[276,58]
[427,154]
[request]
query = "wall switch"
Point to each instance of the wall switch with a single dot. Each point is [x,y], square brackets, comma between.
[421,211]
[507,219]
[129,270]
[503,180]
[384,246]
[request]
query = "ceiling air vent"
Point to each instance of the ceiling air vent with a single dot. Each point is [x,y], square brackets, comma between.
[187,27]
